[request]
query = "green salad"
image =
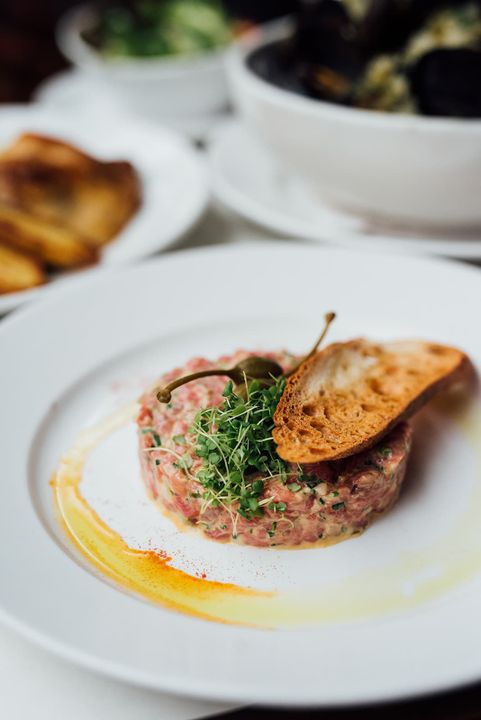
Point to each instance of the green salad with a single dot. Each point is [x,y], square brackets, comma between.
[154,28]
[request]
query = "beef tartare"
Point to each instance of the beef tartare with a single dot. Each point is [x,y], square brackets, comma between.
[208,457]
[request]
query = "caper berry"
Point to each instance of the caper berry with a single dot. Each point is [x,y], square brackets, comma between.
[252,368]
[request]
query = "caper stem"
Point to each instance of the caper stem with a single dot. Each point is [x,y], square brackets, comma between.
[164,395]
[328,318]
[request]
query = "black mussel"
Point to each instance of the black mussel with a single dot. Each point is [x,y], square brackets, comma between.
[325,50]
[416,12]
[259,12]
[447,83]
[384,26]
[387,24]
[275,63]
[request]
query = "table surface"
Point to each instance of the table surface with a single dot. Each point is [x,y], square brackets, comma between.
[58,689]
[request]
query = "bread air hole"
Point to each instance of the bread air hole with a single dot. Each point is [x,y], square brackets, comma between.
[436,350]
[376,386]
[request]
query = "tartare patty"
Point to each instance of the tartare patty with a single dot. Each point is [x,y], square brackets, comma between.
[319,501]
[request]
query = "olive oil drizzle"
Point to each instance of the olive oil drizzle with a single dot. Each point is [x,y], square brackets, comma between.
[456,558]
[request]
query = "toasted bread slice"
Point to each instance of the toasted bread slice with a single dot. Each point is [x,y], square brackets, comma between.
[54,152]
[345,398]
[60,184]
[54,245]
[18,271]
[105,202]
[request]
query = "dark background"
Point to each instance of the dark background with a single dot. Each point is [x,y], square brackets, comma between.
[28,53]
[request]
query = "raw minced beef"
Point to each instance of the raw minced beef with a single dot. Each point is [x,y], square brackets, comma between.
[331,501]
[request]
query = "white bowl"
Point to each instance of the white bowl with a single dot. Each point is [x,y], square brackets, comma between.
[156,88]
[411,169]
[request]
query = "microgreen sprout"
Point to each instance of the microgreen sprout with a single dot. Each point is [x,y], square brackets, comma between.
[234,441]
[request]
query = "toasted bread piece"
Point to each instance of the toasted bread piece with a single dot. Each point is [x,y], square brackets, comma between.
[54,152]
[54,245]
[345,398]
[18,271]
[105,202]
[60,184]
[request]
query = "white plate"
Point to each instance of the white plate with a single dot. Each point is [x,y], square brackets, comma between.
[248,179]
[386,610]
[174,186]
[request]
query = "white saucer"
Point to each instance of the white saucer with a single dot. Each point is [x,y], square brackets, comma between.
[77,90]
[248,179]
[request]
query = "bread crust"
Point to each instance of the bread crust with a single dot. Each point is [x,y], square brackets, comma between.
[345,398]
[55,182]
[55,245]
[18,271]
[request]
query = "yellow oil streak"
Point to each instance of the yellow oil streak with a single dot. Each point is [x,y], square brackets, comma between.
[455,559]
[144,572]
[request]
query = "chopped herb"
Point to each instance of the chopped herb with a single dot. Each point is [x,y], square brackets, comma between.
[335,493]
[385,452]
[169,406]
[157,462]
[294,487]
[179,439]
[156,439]
[309,480]
[184,462]
[338,506]
[234,441]
[273,529]
[258,487]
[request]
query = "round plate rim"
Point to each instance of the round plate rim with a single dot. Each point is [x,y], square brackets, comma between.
[238,200]
[235,692]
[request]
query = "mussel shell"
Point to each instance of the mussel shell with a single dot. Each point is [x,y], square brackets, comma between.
[388,24]
[275,63]
[330,48]
[259,12]
[324,44]
[447,83]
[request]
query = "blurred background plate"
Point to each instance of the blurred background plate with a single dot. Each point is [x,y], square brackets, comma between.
[74,89]
[174,185]
[251,181]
